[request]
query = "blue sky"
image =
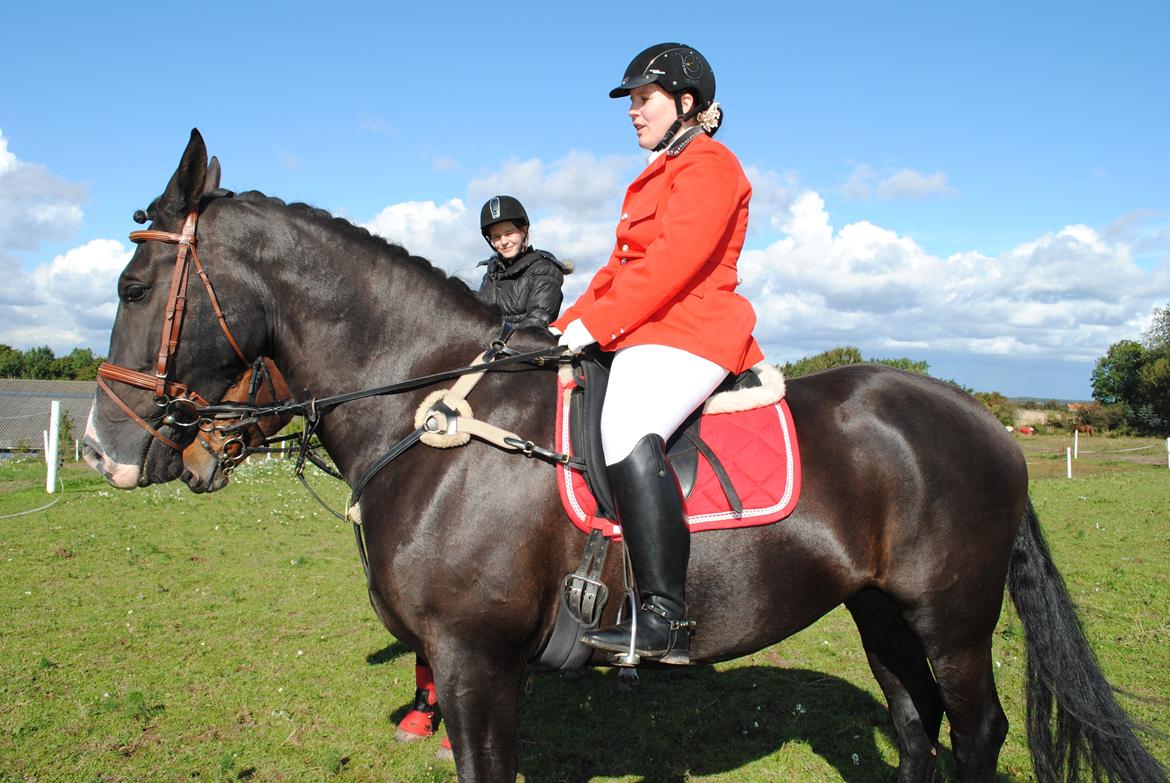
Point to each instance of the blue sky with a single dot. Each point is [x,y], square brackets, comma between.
[981,186]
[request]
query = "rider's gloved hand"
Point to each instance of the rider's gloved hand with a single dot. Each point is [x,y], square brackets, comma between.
[576,337]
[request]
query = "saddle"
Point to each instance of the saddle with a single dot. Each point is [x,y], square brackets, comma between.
[591,378]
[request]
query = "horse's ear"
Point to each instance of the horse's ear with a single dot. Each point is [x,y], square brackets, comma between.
[213,174]
[186,186]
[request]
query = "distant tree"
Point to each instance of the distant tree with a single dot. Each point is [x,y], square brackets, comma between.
[1137,375]
[1155,389]
[1117,374]
[11,362]
[1000,406]
[85,364]
[834,357]
[38,363]
[909,365]
[844,356]
[79,365]
[1157,337]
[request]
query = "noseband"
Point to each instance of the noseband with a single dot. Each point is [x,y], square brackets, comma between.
[180,405]
[230,438]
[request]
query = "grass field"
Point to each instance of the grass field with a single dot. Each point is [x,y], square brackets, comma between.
[163,636]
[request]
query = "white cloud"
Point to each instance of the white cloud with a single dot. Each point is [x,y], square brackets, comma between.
[35,204]
[445,234]
[580,184]
[860,182]
[907,183]
[70,301]
[1064,296]
[864,182]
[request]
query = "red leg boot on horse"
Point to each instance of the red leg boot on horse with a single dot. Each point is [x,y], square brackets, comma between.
[650,510]
[423,718]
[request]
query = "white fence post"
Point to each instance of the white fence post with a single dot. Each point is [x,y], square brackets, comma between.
[51,447]
[1076,443]
[1068,460]
[1168,452]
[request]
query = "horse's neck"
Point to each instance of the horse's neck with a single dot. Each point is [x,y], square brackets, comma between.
[351,314]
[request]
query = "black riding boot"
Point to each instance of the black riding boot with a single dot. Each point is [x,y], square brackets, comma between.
[649,508]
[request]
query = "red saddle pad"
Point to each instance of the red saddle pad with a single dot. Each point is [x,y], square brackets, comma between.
[757,448]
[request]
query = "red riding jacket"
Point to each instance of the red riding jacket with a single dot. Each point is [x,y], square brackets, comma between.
[671,277]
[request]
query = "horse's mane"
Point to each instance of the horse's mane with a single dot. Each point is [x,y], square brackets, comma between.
[380,245]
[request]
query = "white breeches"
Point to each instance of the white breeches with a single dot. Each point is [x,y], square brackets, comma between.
[652,389]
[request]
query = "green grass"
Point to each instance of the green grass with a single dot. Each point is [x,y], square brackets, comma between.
[163,636]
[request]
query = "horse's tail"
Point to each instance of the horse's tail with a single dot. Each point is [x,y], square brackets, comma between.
[1065,685]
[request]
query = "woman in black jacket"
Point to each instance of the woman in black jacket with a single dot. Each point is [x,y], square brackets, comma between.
[524,282]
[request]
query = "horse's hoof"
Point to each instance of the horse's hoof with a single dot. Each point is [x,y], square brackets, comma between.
[406,736]
[416,725]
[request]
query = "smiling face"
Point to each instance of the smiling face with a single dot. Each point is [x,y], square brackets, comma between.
[507,239]
[653,111]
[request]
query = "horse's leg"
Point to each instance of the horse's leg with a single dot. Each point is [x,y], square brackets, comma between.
[899,663]
[421,720]
[479,695]
[962,666]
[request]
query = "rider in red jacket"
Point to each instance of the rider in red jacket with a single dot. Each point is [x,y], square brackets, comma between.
[665,305]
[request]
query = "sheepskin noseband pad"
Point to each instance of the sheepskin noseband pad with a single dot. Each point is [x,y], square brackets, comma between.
[446,434]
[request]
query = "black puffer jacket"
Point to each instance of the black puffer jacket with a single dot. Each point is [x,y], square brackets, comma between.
[528,289]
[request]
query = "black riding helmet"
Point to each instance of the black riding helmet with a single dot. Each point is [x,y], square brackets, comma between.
[676,68]
[501,208]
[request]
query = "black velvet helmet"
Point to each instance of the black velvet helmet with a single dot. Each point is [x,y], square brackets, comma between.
[501,208]
[676,68]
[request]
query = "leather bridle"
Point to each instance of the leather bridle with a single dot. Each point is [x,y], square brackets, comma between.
[230,439]
[180,405]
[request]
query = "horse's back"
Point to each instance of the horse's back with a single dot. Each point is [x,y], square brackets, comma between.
[918,474]
[908,485]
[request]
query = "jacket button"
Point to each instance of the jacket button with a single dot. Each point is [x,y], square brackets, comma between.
[625,248]
[623,261]
[625,216]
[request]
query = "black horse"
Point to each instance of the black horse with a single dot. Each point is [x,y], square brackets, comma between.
[914,509]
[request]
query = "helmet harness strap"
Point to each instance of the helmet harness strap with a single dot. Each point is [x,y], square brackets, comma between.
[682,117]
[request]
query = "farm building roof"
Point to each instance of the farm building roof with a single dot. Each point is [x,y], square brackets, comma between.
[24,409]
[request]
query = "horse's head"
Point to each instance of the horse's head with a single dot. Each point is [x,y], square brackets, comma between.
[223,443]
[178,341]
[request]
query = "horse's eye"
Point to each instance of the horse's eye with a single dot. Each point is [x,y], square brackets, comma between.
[132,292]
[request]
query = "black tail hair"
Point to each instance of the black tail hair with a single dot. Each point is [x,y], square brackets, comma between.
[1065,685]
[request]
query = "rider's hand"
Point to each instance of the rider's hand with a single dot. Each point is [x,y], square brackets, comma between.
[576,337]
